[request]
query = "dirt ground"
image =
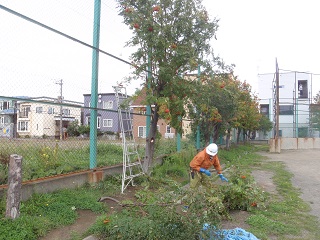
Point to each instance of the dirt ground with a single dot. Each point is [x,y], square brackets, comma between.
[304,164]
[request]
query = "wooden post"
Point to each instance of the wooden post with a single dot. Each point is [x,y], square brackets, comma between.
[14,187]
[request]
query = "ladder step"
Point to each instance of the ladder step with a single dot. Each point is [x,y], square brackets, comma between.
[133,164]
[134,175]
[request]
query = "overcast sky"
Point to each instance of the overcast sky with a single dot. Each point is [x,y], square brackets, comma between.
[251,35]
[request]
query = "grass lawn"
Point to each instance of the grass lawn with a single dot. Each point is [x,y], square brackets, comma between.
[158,211]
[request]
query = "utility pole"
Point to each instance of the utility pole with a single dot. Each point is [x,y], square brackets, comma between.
[60,100]
[277,140]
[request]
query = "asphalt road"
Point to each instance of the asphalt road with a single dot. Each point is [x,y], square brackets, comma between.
[305,166]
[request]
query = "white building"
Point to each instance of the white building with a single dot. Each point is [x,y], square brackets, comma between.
[295,96]
[40,117]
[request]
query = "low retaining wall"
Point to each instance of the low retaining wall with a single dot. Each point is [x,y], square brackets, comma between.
[294,144]
[63,181]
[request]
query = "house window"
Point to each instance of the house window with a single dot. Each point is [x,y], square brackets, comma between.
[302,89]
[65,112]
[24,111]
[98,121]
[107,122]
[4,105]
[286,110]
[50,110]
[264,109]
[107,104]
[142,132]
[23,126]
[39,109]
[168,129]
[142,111]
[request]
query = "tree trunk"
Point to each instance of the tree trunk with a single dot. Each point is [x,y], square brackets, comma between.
[215,134]
[238,135]
[150,143]
[14,187]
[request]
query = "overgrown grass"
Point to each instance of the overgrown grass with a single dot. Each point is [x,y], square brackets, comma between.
[45,157]
[163,197]
[282,217]
[43,212]
[47,160]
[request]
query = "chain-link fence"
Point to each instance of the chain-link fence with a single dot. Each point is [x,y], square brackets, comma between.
[46,70]
[54,138]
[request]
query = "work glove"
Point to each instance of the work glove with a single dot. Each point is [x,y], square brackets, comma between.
[223,178]
[205,171]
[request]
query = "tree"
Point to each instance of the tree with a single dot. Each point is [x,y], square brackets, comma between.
[265,125]
[174,37]
[211,104]
[73,129]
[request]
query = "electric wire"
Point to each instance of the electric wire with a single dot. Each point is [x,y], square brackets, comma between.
[66,35]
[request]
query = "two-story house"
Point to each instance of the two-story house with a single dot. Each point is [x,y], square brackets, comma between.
[107,113]
[295,95]
[139,119]
[44,116]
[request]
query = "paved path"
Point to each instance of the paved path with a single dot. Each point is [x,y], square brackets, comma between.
[305,165]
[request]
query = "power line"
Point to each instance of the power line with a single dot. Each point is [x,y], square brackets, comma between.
[62,34]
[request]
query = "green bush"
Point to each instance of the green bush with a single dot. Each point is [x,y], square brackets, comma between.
[242,192]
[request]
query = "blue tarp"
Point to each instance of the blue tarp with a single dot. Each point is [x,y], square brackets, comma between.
[209,232]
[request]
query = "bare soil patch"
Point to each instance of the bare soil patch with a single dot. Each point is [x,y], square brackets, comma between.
[85,220]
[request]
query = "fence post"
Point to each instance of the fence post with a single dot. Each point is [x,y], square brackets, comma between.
[14,187]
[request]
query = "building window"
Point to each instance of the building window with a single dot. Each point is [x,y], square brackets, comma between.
[23,126]
[98,121]
[65,112]
[264,109]
[107,122]
[50,110]
[4,105]
[107,104]
[39,109]
[168,129]
[1,120]
[286,110]
[142,111]
[142,132]
[25,111]
[302,89]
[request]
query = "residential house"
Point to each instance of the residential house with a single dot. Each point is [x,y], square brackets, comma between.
[295,94]
[107,113]
[139,119]
[42,116]
[8,117]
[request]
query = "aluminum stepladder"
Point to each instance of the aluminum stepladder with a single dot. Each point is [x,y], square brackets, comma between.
[132,166]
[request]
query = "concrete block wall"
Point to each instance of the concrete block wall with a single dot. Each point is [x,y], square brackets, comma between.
[295,143]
